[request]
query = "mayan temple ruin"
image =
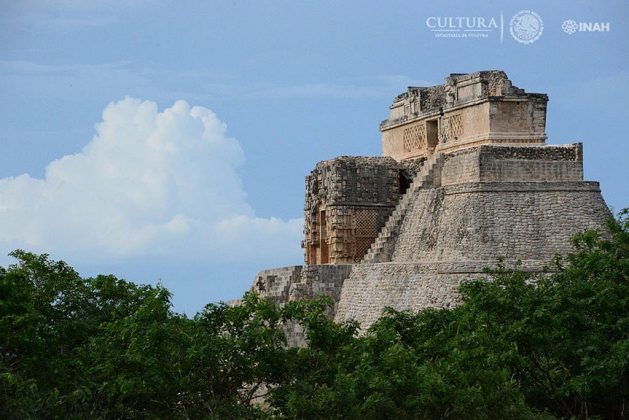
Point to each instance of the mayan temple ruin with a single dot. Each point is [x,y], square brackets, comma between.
[465,178]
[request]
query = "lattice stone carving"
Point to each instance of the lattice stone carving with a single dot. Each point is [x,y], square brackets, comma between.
[452,127]
[366,223]
[362,246]
[414,137]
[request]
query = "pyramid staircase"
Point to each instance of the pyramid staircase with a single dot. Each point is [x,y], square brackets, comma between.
[382,248]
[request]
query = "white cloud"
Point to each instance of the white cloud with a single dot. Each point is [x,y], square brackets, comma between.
[149,183]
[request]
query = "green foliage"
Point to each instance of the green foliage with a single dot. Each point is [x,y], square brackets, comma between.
[519,346]
[106,348]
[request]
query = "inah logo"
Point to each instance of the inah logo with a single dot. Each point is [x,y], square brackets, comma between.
[526,26]
[571,26]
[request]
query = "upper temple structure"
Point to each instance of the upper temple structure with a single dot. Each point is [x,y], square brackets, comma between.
[466,178]
[467,110]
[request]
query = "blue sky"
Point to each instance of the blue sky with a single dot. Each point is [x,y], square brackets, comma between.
[169,140]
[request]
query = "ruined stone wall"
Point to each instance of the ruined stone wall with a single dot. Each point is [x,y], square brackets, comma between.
[347,202]
[413,166]
[461,166]
[519,116]
[286,284]
[296,282]
[353,179]
[484,221]
[499,163]
[540,163]
[403,286]
[275,284]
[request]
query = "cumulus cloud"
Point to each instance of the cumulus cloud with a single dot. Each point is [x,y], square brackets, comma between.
[149,183]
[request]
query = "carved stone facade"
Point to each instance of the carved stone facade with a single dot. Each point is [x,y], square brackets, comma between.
[466,178]
[348,199]
[467,110]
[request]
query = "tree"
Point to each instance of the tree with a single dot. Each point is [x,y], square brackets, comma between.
[519,346]
[104,347]
[42,324]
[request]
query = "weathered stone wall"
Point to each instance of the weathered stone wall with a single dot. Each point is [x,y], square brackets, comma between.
[413,166]
[352,230]
[296,282]
[347,202]
[526,164]
[461,166]
[282,285]
[275,284]
[403,286]
[507,116]
[484,221]
[353,179]
[500,163]
[410,286]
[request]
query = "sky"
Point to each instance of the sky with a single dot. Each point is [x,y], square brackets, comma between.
[168,141]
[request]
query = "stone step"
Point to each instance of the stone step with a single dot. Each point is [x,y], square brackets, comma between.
[394,221]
